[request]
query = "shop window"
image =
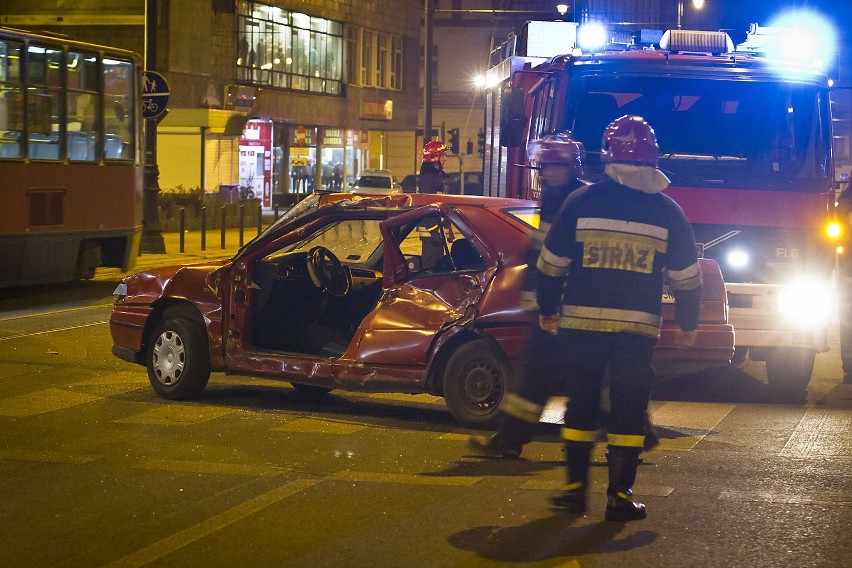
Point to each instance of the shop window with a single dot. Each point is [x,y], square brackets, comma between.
[289,50]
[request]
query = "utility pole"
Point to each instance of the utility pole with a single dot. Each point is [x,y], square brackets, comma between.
[429,11]
[152,239]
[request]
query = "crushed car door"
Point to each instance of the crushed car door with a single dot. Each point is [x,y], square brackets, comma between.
[434,276]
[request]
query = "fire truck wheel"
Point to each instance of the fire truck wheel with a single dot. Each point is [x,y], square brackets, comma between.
[789,371]
[178,358]
[476,377]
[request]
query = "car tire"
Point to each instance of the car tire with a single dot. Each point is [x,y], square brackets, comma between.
[788,371]
[476,377]
[178,359]
[311,390]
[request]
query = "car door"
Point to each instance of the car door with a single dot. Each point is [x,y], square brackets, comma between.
[424,294]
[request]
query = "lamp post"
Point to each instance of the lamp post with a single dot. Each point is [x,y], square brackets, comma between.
[152,239]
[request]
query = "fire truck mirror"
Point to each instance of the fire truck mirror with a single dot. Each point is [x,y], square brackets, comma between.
[512,119]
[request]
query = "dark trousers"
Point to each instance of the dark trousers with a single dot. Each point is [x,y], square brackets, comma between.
[625,358]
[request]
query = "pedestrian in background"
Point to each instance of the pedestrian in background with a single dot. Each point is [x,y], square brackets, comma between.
[558,159]
[603,260]
[432,175]
[844,279]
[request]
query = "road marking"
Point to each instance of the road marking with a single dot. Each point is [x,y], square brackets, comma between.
[40,402]
[316,426]
[402,397]
[47,457]
[693,421]
[206,467]
[54,330]
[404,478]
[177,415]
[556,485]
[113,384]
[207,527]
[843,500]
[820,432]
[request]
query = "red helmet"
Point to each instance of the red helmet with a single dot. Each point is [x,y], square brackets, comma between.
[433,150]
[559,148]
[631,140]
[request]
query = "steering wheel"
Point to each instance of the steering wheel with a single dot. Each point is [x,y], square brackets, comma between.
[328,273]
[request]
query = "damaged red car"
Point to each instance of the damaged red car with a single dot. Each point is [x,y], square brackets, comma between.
[408,293]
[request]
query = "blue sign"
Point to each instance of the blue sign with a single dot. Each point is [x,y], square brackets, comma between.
[155,94]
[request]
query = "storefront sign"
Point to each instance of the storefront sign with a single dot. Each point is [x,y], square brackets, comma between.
[332,137]
[255,164]
[297,161]
[379,109]
[302,136]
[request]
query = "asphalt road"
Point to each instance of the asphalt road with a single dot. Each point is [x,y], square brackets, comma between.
[95,470]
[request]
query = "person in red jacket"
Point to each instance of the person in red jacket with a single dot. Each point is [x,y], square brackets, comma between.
[598,287]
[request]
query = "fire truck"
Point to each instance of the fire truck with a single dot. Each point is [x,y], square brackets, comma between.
[745,139]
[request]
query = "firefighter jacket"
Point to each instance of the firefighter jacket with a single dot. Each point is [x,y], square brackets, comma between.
[608,249]
[550,201]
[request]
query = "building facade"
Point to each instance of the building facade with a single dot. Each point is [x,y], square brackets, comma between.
[265,98]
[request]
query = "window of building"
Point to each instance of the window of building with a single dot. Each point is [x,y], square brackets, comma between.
[289,50]
[375,58]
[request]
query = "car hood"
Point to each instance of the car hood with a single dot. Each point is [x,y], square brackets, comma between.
[191,281]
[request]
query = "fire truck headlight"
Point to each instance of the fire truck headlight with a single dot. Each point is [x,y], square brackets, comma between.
[738,259]
[808,303]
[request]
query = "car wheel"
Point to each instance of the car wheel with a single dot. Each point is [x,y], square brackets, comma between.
[475,379]
[788,371]
[310,390]
[178,359]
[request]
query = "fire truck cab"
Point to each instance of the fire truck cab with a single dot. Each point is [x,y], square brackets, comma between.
[746,142]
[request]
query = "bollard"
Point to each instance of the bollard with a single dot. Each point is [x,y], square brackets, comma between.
[276,214]
[182,227]
[204,227]
[222,215]
[242,223]
[259,219]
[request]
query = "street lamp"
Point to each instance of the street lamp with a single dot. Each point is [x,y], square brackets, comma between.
[562,9]
[697,4]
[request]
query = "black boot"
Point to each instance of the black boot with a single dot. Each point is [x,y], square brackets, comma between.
[622,463]
[573,496]
[507,442]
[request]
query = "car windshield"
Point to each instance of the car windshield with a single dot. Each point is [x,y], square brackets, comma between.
[374,181]
[351,240]
[743,134]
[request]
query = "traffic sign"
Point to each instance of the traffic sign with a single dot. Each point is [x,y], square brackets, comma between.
[155,94]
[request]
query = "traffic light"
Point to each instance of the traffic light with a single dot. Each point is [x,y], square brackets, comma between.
[454,140]
[469,147]
[481,142]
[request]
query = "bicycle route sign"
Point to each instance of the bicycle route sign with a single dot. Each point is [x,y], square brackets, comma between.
[155,94]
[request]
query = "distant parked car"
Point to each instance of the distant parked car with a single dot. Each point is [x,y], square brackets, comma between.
[375,181]
[399,293]
[452,183]
[409,183]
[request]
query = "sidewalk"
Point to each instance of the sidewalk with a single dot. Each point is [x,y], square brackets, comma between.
[192,251]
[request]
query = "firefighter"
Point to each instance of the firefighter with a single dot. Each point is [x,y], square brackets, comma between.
[431,178]
[844,266]
[603,260]
[558,159]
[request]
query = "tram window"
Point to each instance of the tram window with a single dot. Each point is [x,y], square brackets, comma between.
[11,100]
[43,102]
[118,111]
[82,126]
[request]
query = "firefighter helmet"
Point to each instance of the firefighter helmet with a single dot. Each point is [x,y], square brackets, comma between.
[631,140]
[558,148]
[433,151]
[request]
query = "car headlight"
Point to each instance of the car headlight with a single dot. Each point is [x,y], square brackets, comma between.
[120,292]
[809,303]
